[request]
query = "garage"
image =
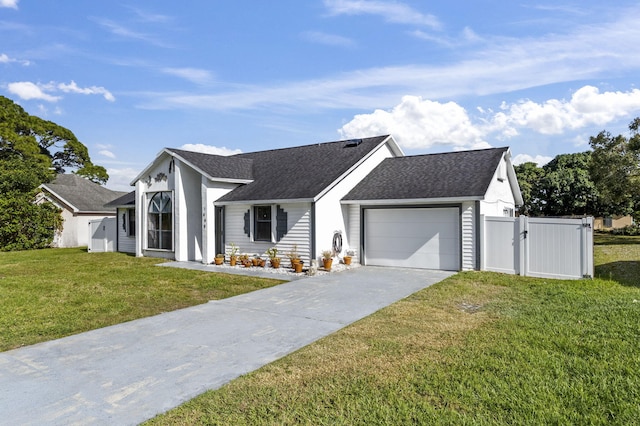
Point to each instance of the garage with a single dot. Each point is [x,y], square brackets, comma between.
[425,238]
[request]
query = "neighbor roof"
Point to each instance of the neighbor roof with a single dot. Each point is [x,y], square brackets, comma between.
[302,172]
[431,176]
[80,194]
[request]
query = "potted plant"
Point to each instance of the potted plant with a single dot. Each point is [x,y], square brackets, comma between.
[233,255]
[219,259]
[347,257]
[327,259]
[273,257]
[244,259]
[255,260]
[297,267]
[293,256]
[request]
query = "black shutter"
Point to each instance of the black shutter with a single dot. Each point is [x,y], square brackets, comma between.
[247,223]
[281,223]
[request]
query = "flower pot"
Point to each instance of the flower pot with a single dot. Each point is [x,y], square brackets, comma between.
[232,261]
[347,260]
[327,263]
[219,260]
[255,261]
[297,267]
[275,263]
[294,262]
[262,263]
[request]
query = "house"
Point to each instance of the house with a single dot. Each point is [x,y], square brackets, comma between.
[362,194]
[81,201]
[611,222]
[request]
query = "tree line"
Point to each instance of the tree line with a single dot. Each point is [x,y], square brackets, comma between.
[32,152]
[602,182]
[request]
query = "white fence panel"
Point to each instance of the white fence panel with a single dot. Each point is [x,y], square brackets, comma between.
[538,247]
[502,247]
[102,235]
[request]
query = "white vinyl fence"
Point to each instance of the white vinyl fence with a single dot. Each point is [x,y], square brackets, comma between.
[102,235]
[537,247]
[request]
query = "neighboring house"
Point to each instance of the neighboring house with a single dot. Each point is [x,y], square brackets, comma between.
[409,211]
[80,201]
[612,222]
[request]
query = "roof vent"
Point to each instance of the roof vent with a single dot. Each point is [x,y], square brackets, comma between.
[353,143]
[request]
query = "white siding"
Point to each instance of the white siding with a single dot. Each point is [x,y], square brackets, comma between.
[187,208]
[468,235]
[298,230]
[331,217]
[499,194]
[126,244]
[353,232]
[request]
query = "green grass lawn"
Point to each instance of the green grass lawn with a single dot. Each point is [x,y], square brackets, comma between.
[47,294]
[477,348]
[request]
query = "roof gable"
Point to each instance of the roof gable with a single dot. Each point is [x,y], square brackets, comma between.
[446,175]
[301,172]
[80,194]
[217,166]
[127,200]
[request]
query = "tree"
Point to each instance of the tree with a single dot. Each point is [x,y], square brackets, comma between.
[561,187]
[567,188]
[32,151]
[614,168]
[529,175]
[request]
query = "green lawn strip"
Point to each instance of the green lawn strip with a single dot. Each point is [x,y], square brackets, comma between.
[477,348]
[48,294]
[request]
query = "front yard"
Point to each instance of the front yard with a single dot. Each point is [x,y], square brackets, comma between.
[48,294]
[478,348]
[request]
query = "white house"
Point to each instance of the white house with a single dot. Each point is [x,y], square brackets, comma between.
[363,194]
[81,201]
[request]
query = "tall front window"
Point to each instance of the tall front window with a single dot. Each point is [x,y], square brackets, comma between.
[160,224]
[262,228]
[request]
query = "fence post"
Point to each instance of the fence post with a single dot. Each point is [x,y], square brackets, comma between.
[587,247]
[523,245]
[481,244]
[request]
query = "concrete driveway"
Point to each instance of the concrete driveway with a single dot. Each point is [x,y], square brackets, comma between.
[130,372]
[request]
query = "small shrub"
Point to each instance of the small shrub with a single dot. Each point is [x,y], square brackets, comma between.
[632,230]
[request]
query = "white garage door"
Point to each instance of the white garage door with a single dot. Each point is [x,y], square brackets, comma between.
[427,238]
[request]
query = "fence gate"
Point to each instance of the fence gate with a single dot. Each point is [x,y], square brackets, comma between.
[102,235]
[538,247]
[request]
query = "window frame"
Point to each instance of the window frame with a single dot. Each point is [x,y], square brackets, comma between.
[256,220]
[131,223]
[161,230]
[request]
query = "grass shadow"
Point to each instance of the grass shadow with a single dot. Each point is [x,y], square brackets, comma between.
[605,239]
[625,272]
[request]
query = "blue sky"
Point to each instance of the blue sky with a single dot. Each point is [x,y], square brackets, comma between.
[129,78]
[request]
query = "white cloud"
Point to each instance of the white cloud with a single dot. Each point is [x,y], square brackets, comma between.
[93,90]
[12,4]
[209,149]
[122,31]
[119,179]
[540,160]
[4,59]
[418,123]
[586,107]
[328,39]
[27,90]
[394,12]
[107,153]
[194,75]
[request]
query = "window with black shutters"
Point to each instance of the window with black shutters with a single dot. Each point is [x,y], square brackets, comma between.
[262,223]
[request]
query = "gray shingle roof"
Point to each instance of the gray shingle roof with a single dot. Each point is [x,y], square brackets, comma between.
[447,175]
[128,199]
[301,172]
[218,166]
[81,194]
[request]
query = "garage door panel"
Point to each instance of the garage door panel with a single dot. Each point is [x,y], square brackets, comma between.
[414,237]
